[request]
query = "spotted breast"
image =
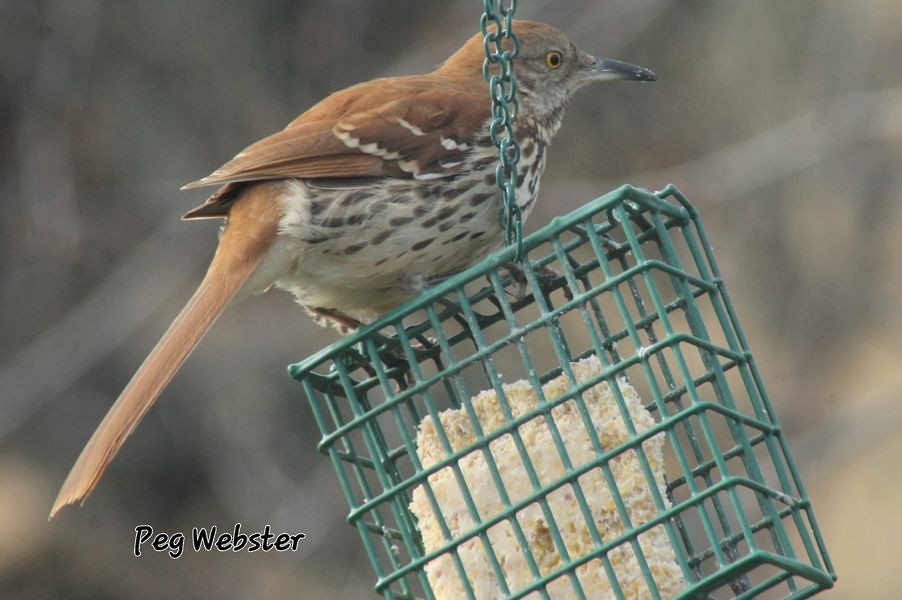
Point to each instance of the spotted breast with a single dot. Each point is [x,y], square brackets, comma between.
[363,246]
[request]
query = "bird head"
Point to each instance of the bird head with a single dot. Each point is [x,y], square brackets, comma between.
[549,68]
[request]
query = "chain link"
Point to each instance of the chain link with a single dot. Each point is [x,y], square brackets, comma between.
[503,89]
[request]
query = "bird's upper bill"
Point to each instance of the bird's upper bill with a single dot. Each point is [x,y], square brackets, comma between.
[605,69]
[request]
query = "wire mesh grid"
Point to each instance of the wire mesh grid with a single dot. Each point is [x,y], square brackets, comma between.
[630,280]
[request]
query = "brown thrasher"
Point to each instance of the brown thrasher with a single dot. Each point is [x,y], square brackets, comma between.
[362,201]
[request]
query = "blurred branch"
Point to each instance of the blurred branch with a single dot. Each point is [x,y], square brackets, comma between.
[777,153]
[55,360]
[790,147]
[613,24]
[48,106]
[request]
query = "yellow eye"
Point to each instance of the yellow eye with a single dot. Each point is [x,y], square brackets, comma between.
[554,59]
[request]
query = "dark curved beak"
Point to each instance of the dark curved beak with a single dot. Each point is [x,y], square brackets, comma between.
[606,69]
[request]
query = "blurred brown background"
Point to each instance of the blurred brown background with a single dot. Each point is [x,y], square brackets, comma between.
[781,120]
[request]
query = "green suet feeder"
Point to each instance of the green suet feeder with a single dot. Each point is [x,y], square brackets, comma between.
[576,416]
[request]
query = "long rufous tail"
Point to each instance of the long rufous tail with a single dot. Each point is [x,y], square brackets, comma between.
[252,226]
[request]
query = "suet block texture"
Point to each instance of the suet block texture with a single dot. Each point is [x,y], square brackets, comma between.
[566,515]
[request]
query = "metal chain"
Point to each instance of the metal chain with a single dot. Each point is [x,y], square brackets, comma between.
[503,89]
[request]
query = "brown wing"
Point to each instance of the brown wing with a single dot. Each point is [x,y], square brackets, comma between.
[305,150]
[410,127]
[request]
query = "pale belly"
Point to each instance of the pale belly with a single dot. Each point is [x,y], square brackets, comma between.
[364,251]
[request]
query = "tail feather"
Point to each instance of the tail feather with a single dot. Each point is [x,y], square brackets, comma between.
[252,226]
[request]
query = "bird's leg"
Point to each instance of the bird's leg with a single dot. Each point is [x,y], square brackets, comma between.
[394,357]
[326,317]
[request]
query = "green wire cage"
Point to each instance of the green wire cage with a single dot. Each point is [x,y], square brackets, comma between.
[661,471]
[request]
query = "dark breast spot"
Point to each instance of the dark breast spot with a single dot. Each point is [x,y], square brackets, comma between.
[482,163]
[317,207]
[398,221]
[355,197]
[378,207]
[355,248]
[330,222]
[467,217]
[441,216]
[381,237]
[466,185]
[422,244]
[477,199]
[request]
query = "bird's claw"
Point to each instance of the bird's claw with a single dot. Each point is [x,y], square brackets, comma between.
[548,279]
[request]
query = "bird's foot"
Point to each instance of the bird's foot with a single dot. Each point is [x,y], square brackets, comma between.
[548,279]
